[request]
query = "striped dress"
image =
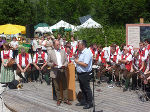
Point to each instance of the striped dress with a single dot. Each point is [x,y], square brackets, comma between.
[7,74]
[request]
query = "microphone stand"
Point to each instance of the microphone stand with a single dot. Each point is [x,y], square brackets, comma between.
[94,73]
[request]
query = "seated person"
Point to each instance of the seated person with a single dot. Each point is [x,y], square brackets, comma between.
[126,60]
[40,64]
[23,62]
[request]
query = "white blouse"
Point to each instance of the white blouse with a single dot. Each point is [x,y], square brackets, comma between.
[6,52]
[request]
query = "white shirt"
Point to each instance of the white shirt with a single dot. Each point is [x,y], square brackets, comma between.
[129,58]
[43,45]
[145,55]
[34,44]
[107,53]
[58,56]
[34,57]
[74,44]
[6,52]
[23,60]
[117,59]
[14,43]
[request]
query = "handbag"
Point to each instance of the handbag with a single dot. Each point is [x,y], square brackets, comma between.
[11,63]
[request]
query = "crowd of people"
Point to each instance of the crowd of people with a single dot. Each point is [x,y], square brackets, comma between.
[50,57]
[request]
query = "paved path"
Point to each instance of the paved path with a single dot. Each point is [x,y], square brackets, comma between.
[39,96]
[2,106]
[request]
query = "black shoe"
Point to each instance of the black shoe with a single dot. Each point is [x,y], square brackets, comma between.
[5,85]
[125,89]
[108,82]
[48,82]
[118,84]
[99,82]
[87,106]
[80,104]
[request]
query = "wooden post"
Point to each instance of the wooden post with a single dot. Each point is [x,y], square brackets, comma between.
[141,20]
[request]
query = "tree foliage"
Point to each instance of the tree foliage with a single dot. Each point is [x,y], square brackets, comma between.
[112,14]
[50,11]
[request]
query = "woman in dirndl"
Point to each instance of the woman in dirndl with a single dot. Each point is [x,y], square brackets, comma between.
[7,74]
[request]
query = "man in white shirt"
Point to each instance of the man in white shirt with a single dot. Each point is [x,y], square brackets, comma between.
[23,62]
[57,60]
[14,44]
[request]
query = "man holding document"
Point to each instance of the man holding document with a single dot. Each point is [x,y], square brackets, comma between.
[57,60]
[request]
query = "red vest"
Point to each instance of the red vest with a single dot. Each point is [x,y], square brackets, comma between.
[117,49]
[102,57]
[148,47]
[62,47]
[128,66]
[93,52]
[26,59]
[6,56]
[97,55]
[115,58]
[130,48]
[142,54]
[42,55]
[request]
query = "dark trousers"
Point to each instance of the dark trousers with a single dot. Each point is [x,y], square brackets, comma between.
[27,73]
[15,53]
[45,74]
[84,80]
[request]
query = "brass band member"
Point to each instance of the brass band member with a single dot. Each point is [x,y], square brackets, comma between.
[7,74]
[57,60]
[40,62]
[126,60]
[23,62]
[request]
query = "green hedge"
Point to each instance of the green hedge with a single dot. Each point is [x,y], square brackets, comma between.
[105,36]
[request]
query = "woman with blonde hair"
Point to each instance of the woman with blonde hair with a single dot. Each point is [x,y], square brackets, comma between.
[7,74]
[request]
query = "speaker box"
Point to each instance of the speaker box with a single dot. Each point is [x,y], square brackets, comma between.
[29,31]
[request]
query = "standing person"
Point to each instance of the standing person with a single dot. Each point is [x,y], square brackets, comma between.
[23,64]
[74,44]
[2,42]
[35,44]
[43,44]
[40,62]
[57,60]
[49,43]
[143,54]
[14,44]
[84,71]
[7,74]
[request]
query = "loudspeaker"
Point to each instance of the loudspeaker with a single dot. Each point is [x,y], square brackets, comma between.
[29,31]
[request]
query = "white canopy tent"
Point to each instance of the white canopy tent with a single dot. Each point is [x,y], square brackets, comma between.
[43,29]
[90,23]
[63,24]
